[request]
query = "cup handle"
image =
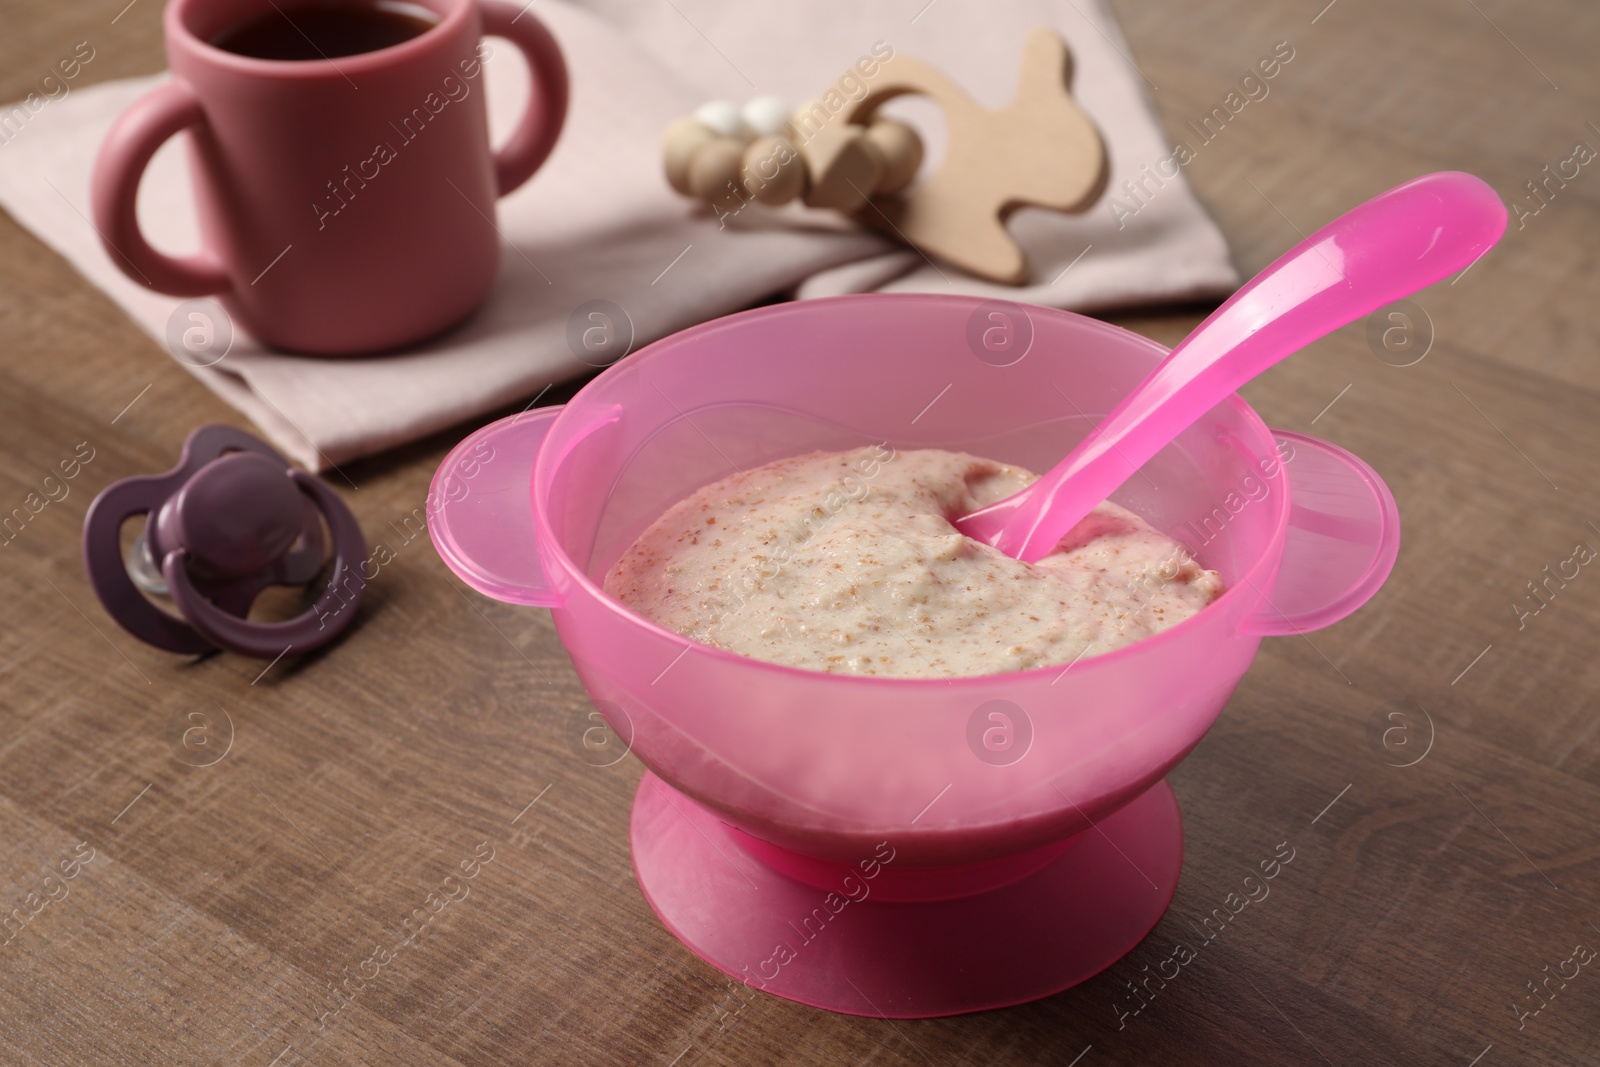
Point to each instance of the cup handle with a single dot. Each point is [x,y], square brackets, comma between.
[1343,537]
[540,125]
[114,190]
[480,510]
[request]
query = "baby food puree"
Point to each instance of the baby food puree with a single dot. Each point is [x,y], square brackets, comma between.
[846,562]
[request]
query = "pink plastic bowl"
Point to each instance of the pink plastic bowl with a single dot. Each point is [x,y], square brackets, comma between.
[773,788]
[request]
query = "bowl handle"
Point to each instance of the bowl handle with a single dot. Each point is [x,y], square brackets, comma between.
[480,510]
[1343,536]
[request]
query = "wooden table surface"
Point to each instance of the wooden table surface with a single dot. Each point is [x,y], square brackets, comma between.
[232,883]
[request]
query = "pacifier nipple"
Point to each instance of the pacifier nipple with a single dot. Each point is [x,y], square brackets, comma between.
[142,568]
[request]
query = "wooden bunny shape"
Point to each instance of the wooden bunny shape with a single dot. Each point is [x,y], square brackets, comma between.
[1039,150]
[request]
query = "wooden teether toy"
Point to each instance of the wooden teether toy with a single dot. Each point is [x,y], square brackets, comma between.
[726,156]
[1039,150]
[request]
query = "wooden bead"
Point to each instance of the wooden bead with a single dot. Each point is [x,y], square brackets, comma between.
[722,117]
[765,116]
[808,119]
[715,168]
[900,151]
[774,171]
[879,160]
[843,171]
[683,139]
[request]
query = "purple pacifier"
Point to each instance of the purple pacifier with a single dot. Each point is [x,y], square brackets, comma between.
[229,520]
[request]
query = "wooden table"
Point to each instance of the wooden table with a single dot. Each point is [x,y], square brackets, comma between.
[223,901]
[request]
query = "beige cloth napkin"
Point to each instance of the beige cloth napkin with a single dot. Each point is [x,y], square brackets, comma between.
[599,222]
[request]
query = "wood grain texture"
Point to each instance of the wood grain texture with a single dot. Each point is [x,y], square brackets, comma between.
[223,902]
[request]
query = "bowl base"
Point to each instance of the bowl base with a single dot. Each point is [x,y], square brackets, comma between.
[849,951]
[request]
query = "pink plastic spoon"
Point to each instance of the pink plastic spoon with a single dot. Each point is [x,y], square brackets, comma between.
[1393,245]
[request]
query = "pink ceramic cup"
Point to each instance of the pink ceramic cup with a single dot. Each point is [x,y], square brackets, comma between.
[346,205]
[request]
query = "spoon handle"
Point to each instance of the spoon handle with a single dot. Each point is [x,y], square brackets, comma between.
[1391,246]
